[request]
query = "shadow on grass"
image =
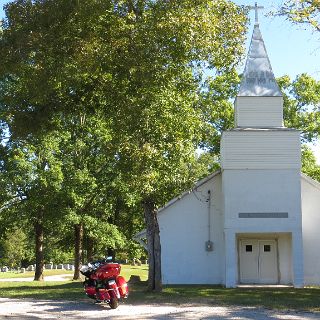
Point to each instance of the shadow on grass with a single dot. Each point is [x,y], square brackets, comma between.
[70,290]
[307,299]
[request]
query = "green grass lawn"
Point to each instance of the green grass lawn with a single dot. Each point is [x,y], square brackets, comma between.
[60,290]
[30,274]
[127,271]
[284,298]
[307,299]
[65,290]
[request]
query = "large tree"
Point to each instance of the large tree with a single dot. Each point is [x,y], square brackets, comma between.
[158,117]
[33,178]
[143,65]
[88,168]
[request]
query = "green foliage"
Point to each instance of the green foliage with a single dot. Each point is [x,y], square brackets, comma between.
[301,105]
[132,250]
[302,12]
[58,255]
[301,111]
[104,235]
[100,54]
[105,103]
[14,248]
[162,119]
[218,113]
[309,163]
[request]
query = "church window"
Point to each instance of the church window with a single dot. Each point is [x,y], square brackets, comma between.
[267,248]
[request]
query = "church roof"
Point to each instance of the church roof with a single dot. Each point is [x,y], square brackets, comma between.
[261,129]
[258,78]
[143,233]
[196,185]
[312,181]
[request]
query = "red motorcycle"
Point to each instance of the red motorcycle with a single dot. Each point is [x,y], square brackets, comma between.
[103,282]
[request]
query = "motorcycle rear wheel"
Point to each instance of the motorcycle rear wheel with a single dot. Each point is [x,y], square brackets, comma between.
[114,303]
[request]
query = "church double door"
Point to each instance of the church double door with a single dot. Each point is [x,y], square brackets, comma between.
[258,261]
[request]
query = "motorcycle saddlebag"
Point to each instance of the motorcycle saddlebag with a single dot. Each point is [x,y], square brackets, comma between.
[123,286]
[90,291]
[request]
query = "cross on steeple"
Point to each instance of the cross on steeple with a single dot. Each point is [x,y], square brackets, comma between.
[256,8]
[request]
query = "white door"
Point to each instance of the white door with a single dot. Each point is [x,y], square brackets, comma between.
[258,261]
[268,264]
[249,255]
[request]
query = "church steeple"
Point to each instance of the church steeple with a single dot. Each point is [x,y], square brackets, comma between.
[258,78]
[259,103]
[261,181]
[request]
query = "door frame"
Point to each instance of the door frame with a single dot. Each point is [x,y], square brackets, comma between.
[255,238]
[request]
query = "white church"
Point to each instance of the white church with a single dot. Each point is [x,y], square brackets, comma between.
[257,220]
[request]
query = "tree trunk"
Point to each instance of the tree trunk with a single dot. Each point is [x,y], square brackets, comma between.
[38,227]
[111,253]
[154,247]
[89,249]
[78,232]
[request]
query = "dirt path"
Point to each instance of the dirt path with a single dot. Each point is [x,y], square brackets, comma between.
[28,309]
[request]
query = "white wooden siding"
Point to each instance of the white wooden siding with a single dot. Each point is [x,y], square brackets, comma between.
[310,194]
[259,112]
[260,149]
[184,232]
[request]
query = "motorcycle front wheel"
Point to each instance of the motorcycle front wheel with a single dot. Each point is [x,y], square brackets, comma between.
[114,303]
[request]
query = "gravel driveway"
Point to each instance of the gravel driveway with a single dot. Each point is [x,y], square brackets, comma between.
[30,309]
[85,309]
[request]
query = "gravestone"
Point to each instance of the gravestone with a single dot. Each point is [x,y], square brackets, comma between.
[30,268]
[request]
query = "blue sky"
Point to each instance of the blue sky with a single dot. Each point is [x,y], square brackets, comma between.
[292,49]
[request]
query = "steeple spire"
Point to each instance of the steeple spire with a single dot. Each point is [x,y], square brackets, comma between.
[258,78]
